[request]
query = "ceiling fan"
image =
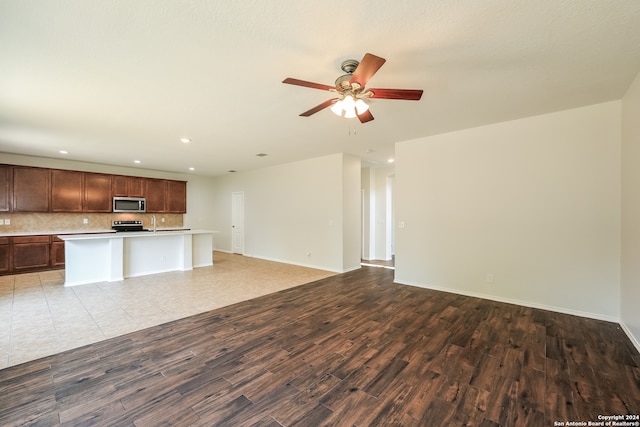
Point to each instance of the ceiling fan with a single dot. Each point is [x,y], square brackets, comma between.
[351,91]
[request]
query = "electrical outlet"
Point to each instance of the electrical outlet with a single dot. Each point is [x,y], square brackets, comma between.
[489,277]
[85,220]
[1,221]
[7,221]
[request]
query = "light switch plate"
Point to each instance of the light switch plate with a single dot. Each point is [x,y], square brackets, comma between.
[1,221]
[7,221]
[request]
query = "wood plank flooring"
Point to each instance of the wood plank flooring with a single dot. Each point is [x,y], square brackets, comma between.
[351,350]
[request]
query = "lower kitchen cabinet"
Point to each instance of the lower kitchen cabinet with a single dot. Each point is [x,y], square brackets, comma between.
[23,254]
[5,255]
[31,252]
[57,252]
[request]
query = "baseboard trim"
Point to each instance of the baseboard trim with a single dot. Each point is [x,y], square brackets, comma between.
[563,310]
[315,267]
[635,341]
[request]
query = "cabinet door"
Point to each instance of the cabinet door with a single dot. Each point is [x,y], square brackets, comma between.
[57,253]
[97,193]
[31,252]
[5,257]
[128,186]
[136,186]
[5,188]
[176,196]
[66,191]
[30,189]
[156,195]
[119,186]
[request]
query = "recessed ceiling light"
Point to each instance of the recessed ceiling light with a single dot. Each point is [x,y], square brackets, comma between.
[63,152]
[192,169]
[137,162]
[391,160]
[185,140]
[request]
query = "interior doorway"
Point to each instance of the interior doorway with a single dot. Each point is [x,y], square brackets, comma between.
[378,231]
[237,223]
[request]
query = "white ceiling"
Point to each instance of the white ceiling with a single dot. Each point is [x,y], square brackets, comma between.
[118,80]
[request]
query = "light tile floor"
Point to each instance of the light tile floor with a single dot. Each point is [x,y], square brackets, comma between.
[40,317]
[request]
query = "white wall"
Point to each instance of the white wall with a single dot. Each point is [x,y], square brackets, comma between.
[630,277]
[291,210]
[535,202]
[351,213]
[200,208]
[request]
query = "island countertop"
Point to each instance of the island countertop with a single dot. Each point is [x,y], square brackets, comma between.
[119,235]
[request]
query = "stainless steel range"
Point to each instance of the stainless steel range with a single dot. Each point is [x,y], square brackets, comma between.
[127,225]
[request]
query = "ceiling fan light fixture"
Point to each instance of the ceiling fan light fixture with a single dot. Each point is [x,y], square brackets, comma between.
[337,108]
[361,106]
[350,113]
[348,103]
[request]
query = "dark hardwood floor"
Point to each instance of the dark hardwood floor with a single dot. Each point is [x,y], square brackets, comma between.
[351,350]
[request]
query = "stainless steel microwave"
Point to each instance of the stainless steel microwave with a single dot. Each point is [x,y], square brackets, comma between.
[129,204]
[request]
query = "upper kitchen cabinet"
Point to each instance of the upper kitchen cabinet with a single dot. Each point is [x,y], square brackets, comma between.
[31,189]
[128,186]
[176,197]
[156,192]
[5,188]
[136,186]
[66,191]
[97,193]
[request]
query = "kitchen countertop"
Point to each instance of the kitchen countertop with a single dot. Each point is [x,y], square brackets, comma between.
[54,232]
[84,231]
[162,232]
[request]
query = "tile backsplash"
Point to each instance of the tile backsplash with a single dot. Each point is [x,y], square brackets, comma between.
[59,222]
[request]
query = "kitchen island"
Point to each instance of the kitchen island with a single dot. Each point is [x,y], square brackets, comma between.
[108,257]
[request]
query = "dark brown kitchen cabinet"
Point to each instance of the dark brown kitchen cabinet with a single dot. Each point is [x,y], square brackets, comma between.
[66,191]
[176,197]
[31,189]
[136,186]
[57,252]
[119,186]
[5,188]
[31,252]
[156,190]
[97,193]
[128,186]
[5,255]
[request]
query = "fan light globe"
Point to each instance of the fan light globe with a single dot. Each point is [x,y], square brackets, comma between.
[348,103]
[361,106]
[337,108]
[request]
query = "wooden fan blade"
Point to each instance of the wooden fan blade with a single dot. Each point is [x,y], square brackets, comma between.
[365,117]
[369,65]
[297,82]
[319,107]
[406,94]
